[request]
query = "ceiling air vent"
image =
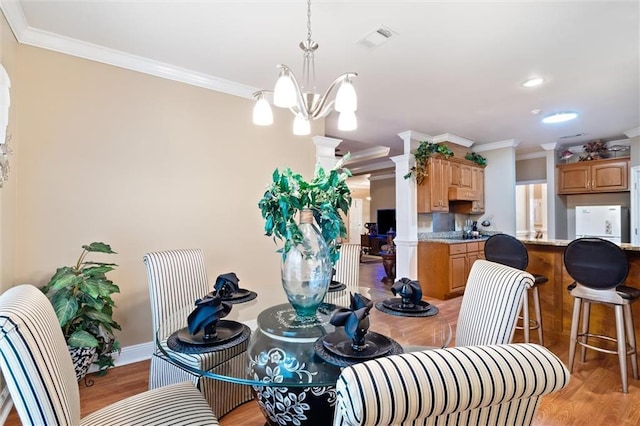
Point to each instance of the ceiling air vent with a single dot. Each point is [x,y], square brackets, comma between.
[571,136]
[377,37]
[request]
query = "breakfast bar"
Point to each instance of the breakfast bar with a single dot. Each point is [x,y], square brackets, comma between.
[546,258]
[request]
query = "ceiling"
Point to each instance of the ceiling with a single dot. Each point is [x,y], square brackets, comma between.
[452,67]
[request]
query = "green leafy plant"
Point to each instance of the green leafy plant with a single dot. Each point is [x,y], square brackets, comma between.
[81,298]
[422,153]
[476,158]
[327,195]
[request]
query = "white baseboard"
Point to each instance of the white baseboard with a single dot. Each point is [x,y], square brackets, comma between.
[129,355]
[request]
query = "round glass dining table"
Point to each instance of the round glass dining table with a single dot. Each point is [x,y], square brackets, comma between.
[292,373]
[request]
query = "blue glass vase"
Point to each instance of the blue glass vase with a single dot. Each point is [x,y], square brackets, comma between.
[306,269]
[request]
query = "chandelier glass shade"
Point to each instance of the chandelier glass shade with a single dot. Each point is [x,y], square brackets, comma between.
[302,100]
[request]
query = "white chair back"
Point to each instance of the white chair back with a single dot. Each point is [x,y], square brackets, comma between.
[472,385]
[35,360]
[491,303]
[176,279]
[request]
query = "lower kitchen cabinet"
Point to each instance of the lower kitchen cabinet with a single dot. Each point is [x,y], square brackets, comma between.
[443,268]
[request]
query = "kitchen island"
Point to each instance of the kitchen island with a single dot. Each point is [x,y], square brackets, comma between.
[546,258]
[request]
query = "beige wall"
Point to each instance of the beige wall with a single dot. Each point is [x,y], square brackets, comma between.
[144,164]
[534,169]
[383,196]
[8,216]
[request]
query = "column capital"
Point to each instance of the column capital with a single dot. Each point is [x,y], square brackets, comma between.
[326,151]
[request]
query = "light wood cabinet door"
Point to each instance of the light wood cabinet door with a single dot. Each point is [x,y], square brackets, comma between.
[458,272]
[461,175]
[477,183]
[612,176]
[433,195]
[574,178]
[439,170]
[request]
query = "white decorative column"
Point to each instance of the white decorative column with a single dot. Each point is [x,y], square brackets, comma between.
[552,199]
[407,208]
[406,220]
[326,151]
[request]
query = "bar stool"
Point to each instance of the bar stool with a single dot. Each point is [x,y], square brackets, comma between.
[507,250]
[599,267]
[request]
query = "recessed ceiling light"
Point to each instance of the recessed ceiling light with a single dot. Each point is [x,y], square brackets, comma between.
[559,117]
[536,111]
[536,81]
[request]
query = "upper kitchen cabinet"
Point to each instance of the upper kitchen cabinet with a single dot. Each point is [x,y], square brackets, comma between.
[610,175]
[433,192]
[476,205]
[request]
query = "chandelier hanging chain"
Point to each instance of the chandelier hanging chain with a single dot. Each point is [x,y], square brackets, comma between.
[308,59]
[309,21]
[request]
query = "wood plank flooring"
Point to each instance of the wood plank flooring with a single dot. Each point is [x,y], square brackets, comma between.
[594,395]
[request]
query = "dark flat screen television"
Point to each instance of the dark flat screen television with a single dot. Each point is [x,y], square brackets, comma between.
[386,220]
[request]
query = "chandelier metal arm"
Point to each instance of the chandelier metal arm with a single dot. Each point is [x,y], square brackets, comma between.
[324,106]
[300,99]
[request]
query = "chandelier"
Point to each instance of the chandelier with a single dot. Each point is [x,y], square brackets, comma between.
[303,101]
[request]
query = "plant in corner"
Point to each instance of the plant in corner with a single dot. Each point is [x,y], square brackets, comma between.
[308,254]
[422,153]
[81,298]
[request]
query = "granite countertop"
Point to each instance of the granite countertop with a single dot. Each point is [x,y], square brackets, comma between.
[451,237]
[564,243]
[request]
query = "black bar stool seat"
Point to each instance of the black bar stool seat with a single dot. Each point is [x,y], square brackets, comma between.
[599,267]
[507,250]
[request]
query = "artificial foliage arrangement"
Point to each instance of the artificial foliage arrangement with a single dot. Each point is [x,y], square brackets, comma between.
[326,195]
[594,150]
[422,153]
[476,158]
[81,298]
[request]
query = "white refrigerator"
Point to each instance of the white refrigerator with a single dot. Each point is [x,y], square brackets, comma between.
[607,222]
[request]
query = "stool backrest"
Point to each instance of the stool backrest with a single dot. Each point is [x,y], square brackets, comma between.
[596,263]
[506,250]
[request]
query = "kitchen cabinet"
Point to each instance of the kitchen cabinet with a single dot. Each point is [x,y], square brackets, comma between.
[477,184]
[610,175]
[443,268]
[461,175]
[433,192]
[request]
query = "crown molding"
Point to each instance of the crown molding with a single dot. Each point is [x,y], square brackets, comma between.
[368,154]
[549,146]
[46,40]
[509,143]
[381,165]
[632,133]
[413,135]
[449,137]
[382,177]
[531,155]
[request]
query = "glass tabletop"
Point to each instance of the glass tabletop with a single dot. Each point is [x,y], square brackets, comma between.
[281,347]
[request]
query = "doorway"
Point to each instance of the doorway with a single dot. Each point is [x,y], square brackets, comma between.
[531,210]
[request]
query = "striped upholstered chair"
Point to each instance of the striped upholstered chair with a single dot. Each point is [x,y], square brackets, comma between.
[39,373]
[348,273]
[471,385]
[491,303]
[176,279]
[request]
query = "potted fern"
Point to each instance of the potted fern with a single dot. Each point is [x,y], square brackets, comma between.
[81,297]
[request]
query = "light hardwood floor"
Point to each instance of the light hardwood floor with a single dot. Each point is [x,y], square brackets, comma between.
[593,396]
